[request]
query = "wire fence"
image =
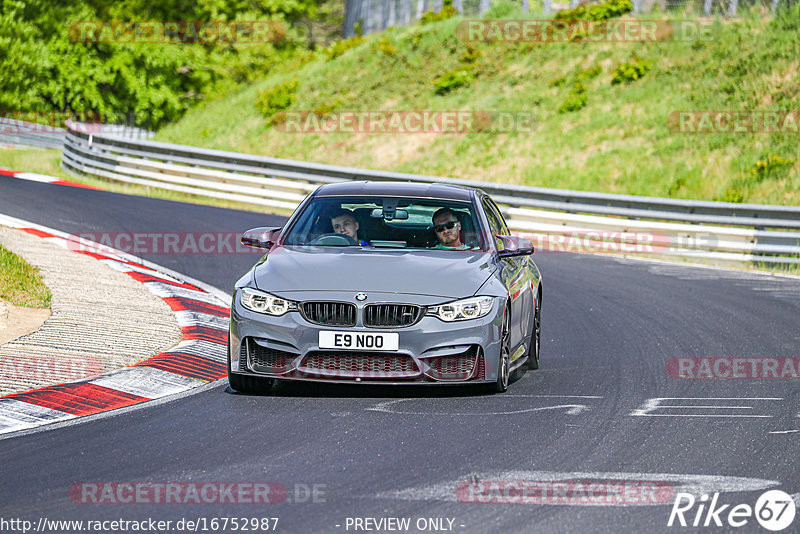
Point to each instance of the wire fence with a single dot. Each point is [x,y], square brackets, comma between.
[370,16]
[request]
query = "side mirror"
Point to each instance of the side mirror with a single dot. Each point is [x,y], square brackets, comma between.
[261,237]
[513,246]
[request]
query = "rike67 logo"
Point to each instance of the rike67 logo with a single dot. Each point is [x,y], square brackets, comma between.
[774,510]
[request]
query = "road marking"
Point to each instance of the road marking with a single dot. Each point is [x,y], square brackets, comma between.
[569,396]
[784,431]
[686,483]
[391,407]
[655,403]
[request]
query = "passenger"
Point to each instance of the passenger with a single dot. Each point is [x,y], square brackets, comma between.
[448,230]
[343,222]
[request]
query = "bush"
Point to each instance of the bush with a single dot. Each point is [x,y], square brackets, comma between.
[278,98]
[588,74]
[385,47]
[501,9]
[631,71]
[452,80]
[732,195]
[337,48]
[326,108]
[576,99]
[447,11]
[772,166]
[470,55]
[607,10]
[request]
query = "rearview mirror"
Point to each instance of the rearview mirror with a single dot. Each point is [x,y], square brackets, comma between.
[389,214]
[509,246]
[261,237]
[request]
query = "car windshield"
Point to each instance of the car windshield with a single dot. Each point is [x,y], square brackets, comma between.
[387,222]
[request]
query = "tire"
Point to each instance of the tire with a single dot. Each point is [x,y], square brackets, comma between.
[504,369]
[536,335]
[244,383]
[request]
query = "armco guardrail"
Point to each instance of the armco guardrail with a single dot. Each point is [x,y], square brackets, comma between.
[28,134]
[557,219]
[25,134]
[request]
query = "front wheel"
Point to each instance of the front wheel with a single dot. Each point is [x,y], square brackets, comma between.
[536,336]
[504,371]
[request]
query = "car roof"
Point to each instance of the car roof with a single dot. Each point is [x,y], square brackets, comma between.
[410,189]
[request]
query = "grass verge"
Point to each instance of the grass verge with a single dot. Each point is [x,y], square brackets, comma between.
[20,283]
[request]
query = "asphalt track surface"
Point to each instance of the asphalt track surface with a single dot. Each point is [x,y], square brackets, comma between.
[609,328]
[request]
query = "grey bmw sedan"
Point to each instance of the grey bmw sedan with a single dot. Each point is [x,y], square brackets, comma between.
[387,283]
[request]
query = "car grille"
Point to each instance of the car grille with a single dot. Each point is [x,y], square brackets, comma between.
[359,365]
[266,360]
[329,313]
[391,315]
[454,367]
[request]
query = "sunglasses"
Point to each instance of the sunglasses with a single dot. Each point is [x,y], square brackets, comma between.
[449,225]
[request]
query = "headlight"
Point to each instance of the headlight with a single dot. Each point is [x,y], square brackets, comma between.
[461,310]
[261,302]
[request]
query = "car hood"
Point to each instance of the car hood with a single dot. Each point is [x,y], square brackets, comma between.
[442,273]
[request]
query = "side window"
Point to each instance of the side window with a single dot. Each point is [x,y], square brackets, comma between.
[499,216]
[496,223]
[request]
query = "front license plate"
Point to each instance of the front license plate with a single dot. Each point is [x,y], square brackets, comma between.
[359,340]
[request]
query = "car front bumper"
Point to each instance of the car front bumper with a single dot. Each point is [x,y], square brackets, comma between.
[431,351]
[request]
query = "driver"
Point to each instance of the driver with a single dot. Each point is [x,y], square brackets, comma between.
[448,230]
[343,222]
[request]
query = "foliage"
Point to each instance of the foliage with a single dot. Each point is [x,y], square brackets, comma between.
[769,167]
[278,98]
[385,47]
[447,11]
[337,48]
[588,74]
[606,10]
[772,166]
[452,80]
[576,99]
[47,66]
[631,71]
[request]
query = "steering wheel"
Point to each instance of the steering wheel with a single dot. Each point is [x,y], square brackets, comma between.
[338,240]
